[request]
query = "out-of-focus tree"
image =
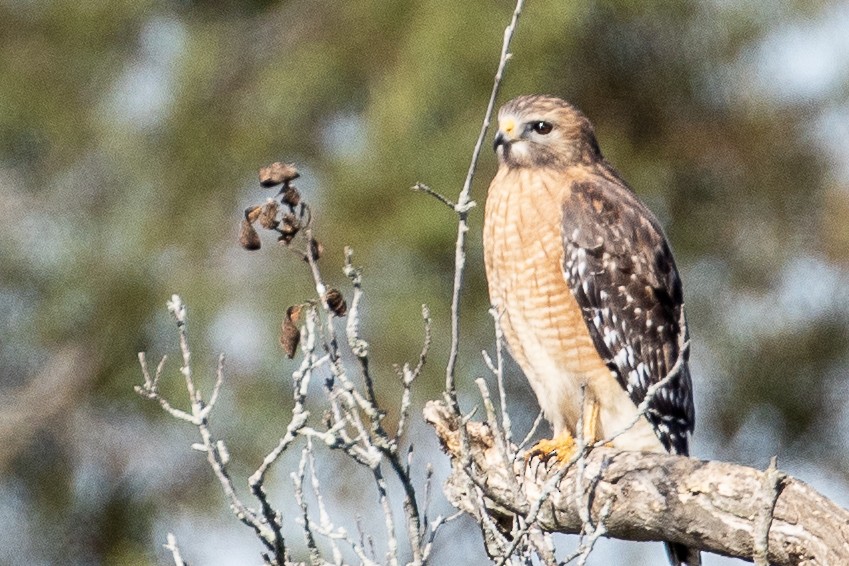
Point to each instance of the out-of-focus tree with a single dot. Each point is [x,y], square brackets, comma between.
[129,137]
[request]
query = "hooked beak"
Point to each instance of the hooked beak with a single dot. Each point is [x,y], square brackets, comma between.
[500,139]
[504,136]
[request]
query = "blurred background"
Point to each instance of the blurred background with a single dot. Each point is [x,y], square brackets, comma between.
[130,136]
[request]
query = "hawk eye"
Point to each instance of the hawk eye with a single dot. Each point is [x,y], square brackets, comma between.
[542,127]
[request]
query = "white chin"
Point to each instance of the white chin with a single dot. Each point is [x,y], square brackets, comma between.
[519,151]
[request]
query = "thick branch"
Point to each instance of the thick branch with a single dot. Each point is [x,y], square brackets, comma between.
[713,506]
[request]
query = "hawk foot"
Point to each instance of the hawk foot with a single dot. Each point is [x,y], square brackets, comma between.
[560,448]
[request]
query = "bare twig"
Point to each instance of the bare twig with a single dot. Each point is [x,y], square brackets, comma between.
[325,526]
[358,345]
[354,422]
[408,376]
[773,483]
[422,188]
[367,447]
[585,548]
[531,432]
[542,497]
[501,444]
[298,480]
[216,389]
[175,550]
[543,546]
[267,528]
[150,390]
[391,539]
[581,450]
[498,370]
[301,379]
[464,205]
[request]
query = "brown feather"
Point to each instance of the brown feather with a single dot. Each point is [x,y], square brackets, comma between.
[581,273]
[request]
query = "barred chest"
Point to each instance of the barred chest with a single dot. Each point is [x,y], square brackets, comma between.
[543,326]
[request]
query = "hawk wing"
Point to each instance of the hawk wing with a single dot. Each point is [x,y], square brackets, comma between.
[620,269]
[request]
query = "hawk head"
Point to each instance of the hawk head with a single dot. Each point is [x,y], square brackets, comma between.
[544,131]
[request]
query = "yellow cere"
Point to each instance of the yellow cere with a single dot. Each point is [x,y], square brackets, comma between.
[508,125]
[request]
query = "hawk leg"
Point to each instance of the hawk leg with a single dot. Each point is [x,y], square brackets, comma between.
[563,446]
[591,408]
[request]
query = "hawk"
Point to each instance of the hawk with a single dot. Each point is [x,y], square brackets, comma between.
[584,281]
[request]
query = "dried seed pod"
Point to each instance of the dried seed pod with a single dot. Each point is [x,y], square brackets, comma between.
[290,335]
[294,313]
[268,215]
[288,228]
[335,302]
[289,224]
[277,173]
[285,238]
[316,249]
[291,196]
[248,238]
[252,213]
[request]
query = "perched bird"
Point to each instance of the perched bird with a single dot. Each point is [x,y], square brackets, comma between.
[587,291]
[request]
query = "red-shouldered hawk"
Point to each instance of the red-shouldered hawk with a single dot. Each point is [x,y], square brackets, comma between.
[587,289]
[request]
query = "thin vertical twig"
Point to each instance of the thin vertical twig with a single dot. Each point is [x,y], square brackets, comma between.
[499,376]
[500,443]
[171,545]
[531,432]
[464,205]
[300,499]
[773,482]
[408,376]
[462,208]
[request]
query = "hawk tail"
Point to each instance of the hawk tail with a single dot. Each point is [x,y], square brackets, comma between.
[680,555]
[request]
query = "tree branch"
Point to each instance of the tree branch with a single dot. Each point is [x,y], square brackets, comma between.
[713,506]
[464,205]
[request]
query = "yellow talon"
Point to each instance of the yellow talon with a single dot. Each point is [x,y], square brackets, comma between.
[562,447]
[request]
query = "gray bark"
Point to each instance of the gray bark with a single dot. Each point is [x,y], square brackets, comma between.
[713,506]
